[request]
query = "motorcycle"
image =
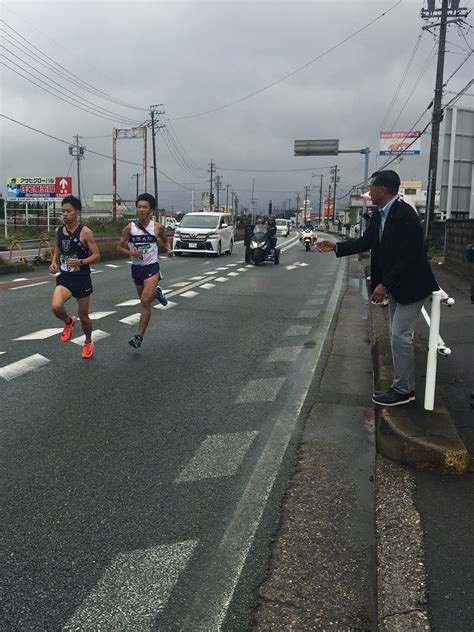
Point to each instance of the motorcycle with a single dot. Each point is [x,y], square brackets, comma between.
[309,238]
[260,248]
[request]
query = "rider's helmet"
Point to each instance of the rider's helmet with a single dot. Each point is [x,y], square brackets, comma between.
[271,221]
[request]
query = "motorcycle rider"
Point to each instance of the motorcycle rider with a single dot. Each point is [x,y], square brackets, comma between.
[271,230]
[308,225]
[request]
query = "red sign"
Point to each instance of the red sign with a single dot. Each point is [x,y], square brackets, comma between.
[63,186]
[328,207]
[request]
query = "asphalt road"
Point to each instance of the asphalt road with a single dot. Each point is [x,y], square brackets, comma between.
[140,487]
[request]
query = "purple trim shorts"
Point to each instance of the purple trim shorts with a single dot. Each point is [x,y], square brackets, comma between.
[140,273]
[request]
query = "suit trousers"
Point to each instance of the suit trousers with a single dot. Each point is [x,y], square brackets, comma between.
[402,322]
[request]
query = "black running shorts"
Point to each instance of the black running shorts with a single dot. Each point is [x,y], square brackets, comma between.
[80,285]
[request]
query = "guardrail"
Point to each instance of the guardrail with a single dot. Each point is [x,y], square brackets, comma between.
[435,343]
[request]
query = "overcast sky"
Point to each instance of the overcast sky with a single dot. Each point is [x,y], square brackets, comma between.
[196,56]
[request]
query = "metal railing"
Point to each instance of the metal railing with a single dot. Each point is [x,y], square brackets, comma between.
[435,343]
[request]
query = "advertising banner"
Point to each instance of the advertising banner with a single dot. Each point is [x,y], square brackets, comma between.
[40,187]
[392,143]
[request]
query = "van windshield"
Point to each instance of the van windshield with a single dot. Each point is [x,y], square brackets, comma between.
[199,221]
[281,222]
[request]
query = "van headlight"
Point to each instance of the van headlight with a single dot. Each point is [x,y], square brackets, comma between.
[212,235]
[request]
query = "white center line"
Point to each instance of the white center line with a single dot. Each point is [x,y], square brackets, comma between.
[41,334]
[197,278]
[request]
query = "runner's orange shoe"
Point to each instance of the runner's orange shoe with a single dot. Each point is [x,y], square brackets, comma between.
[88,350]
[67,331]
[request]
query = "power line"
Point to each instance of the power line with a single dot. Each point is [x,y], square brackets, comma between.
[293,72]
[273,170]
[94,106]
[96,153]
[87,85]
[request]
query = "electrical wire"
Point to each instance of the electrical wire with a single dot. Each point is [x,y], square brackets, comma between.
[96,153]
[293,72]
[273,170]
[87,86]
[99,108]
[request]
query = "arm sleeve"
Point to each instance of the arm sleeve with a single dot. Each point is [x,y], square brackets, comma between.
[364,243]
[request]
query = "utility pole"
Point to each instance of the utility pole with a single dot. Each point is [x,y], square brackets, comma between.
[136,175]
[155,126]
[211,181]
[457,13]
[297,208]
[320,199]
[218,189]
[306,190]
[335,180]
[227,186]
[193,195]
[252,201]
[330,200]
[77,151]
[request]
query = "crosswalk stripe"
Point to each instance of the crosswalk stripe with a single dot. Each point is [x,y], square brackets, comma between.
[208,286]
[221,279]
[165,307]
[181,284]
[284,354]
[197,278]
[308,313]
[218,455]
[133,590]
[262,390]
[190,294]
[99,315]
[133,301]
[97,334]
[233,274]
[298,330]
[131,320]
[41,334]
[31,363]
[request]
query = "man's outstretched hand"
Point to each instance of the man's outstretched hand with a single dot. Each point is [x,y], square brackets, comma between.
[325,245]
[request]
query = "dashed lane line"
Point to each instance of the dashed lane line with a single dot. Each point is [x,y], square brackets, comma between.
[31,363]
[21,287]
[97,334]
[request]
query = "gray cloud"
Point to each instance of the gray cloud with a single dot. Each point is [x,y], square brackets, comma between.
[195,56]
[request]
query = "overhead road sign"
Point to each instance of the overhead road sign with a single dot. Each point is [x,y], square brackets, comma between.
[317,147]
[38,188]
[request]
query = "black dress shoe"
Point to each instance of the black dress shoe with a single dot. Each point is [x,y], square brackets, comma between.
[377,393]
[392,398]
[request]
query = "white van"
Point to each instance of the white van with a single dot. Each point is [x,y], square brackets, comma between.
[170,222]
[283,227]
[211,233]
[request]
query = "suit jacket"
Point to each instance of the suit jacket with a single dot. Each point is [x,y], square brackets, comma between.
[398,260]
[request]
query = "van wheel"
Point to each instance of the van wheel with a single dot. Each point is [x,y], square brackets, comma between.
[231,248]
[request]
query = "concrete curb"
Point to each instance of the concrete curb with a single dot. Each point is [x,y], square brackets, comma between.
[410,434]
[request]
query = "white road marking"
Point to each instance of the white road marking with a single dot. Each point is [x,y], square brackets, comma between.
[131,320]
[133,301]
[165,307]
[2,352]
[32,363]
[181,284]
[97,334]
[210,272]
[308,313]
[262,390]
[298,330]
[224,268]
[197,278]
[21,287]
[319,292]
[315,301]
[249,265]
[210,606]
[111,265]
[284,354]
[99,315]
[242,270]
[221,279]
[233,274]
[41,334]
[20,279]
[190,294]
[208,286]
[231,265]
[218,455]
[96,271]
[133,589]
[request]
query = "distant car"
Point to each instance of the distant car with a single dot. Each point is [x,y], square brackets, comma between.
[283,227]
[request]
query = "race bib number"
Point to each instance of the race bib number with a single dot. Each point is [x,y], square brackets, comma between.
[145,247]
[64,265]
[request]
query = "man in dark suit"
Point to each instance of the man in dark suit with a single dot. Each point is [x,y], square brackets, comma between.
[400,270]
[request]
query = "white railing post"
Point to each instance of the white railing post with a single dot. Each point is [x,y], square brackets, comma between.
[433,341]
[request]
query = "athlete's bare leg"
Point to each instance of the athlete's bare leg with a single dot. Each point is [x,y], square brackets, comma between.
[60,295]
[83,312]
[147,294]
